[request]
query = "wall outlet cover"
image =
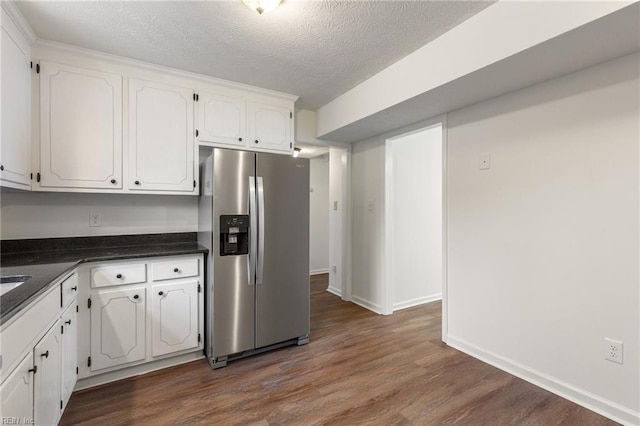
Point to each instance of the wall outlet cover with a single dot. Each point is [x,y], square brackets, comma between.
[613,350]
[95,219]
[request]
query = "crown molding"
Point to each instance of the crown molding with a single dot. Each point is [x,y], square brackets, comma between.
[16,16]
[96,55]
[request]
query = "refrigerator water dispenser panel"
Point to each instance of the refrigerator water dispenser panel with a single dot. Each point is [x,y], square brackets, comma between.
[234,235]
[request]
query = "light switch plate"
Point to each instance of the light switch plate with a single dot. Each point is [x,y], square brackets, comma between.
[485,161]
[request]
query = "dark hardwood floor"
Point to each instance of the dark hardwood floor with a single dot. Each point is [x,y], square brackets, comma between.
[359,368]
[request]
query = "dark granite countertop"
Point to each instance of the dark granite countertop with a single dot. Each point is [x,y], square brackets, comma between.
[47,260]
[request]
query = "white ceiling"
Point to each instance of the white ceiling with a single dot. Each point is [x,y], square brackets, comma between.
[607,38]
[314,49]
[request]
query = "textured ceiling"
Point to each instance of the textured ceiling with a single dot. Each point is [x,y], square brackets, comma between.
[314,49]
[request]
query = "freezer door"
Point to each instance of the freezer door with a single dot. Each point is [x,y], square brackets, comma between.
[282,271]
[233,295]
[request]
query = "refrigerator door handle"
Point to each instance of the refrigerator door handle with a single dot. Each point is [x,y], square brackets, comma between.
[253,233]
[261,227]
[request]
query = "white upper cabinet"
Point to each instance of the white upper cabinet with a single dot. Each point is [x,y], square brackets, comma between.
[161,137]
[270,128]
[108,125]
[80,127]
[15,152]
[221,120]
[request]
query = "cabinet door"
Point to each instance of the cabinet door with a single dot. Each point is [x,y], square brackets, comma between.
[270,128]
[15,153]
[174,317]
[117,327]
[80,127]
[221,120]
[161,138]
[16,393]
[69,352]
[46,394]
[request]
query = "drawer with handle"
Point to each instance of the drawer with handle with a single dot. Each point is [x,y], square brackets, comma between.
[69,289]
[172,269]
[106,276]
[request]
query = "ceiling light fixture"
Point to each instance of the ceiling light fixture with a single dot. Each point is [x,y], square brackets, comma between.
[296,151]
[262,6]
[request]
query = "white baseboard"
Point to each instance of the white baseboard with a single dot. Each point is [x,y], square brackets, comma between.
[593,402]
[367,304]
[417,301]
[101,379]
[335,291]
[319,271]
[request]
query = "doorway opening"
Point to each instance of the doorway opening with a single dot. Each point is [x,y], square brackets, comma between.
[329,206]
[415,220]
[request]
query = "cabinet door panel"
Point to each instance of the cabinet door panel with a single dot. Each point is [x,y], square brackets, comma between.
[46,396]
[16,393]
[15,153]
[69,352]
[161,139]
[270,128]
[117,327]
[174,317]
[80,127]
[221,119]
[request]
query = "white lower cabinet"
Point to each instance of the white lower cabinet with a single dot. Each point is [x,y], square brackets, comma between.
[45,347]
[16,392]
[152,313]
[69,365]
[174,317]
[39,352]
[46,392]
[117,327]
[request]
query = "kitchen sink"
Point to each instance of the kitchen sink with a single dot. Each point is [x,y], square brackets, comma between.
[10,282]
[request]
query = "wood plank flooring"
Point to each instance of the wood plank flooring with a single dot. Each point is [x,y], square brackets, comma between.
[359,368]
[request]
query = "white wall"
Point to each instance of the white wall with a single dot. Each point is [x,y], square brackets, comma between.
[337,181]
[544,247]
[367,188]
[45,215]
[319,215]
[416,223]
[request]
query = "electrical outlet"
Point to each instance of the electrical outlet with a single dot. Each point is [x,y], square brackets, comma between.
[95,219]
[613,350]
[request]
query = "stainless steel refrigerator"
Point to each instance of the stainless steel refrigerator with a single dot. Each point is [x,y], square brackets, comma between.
[254,219]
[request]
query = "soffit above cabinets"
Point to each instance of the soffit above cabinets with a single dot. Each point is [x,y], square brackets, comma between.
[314,49]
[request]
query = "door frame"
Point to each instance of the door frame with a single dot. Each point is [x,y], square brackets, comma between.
[388,216]
[344,268]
